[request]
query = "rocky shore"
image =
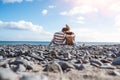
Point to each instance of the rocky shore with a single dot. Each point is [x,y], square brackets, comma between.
[38,62]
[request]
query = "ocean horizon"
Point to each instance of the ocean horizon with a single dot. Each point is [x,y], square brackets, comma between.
[47,43]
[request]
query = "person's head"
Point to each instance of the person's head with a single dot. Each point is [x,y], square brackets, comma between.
[69,33]
[67,28]
[64,29]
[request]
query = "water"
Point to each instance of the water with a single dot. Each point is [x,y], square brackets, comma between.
[47,43]
[24,42]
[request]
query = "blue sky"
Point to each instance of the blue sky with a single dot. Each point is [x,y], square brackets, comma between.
[37,20]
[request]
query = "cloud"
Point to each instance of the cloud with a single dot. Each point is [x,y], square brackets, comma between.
[22,25]
[51,6]
[29,0]
[105,7]
[23,31]
[83,9]
[95,35]
[13,1]
[117,23]
[44,11]
[80,20]
[115,7]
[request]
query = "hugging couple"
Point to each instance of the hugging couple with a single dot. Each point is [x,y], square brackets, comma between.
[63,37]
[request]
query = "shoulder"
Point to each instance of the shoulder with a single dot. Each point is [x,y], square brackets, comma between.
[59,33]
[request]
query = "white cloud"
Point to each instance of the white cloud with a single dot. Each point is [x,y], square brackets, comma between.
[83,9]
[51,6]
[13,1]
[105,7]
[27,31]
[22,25]
[115,7]
[117,23]
[44,11]
[80,19]
[94,35]
[29,0]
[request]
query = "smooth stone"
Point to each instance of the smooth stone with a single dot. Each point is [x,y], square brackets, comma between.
[95,62]
[36,57]
[21,68]
[105,61]
[6,65]
[114,73]
[53,53]
[1,58]
[79,67]
[12,54]
[65,65]
[53,67]
[23,62]
[34,77]
[7,74]
[116,61]
[107,66]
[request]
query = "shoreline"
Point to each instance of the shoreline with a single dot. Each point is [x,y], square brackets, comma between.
[95,62]
[47,43]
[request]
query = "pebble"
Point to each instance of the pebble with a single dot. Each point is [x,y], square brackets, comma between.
[7,74]
[22,59]
[34,77]
[116,61]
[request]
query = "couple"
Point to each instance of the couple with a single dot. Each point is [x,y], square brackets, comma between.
[64,37]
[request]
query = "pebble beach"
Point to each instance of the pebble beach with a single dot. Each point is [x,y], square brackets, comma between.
[41,62]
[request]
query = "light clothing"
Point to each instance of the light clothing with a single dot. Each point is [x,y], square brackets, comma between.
[59,38]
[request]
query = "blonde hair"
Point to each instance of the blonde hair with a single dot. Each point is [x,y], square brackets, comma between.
[67,27]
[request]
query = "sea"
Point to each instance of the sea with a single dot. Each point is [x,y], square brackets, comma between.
[47,43]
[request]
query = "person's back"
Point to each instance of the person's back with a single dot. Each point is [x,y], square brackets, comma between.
[59,38]
[70,37]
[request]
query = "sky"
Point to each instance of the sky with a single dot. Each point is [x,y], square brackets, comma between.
[38,20]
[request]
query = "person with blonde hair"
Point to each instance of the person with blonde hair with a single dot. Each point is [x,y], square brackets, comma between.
[70,36]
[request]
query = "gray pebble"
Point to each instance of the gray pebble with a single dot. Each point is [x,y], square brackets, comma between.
[34,77]
[7,74]
[116,61]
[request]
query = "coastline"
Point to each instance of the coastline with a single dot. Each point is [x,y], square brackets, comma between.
[47,43]
[95,62]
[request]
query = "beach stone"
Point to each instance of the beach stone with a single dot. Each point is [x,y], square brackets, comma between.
[79,67]
[53,53]
[105,61]
[114,73]
[36,57]
[113,55]
[65,65]
[116,61]
[85,59]
[12,54]
[53,67]
[23,62]
[34,77]
[5,65]
[107,66]
[67,55]
[7,74]
[95,62]
[1,58]
[21,68]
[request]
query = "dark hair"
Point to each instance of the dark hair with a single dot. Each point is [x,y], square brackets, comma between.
[69,33]
[64,29]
